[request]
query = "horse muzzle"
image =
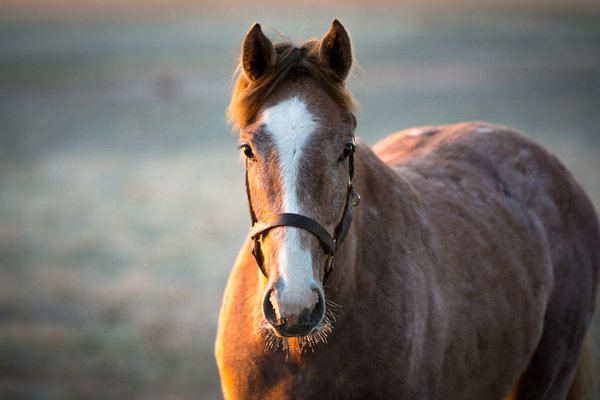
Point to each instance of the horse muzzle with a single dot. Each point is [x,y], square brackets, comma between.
[293,320]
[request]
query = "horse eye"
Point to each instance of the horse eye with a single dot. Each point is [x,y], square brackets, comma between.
[348,149]
[247,151]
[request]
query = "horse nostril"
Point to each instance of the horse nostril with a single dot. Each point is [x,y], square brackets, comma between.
[318,311]
[269,311]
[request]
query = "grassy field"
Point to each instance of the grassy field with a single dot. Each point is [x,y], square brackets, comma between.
[121,193]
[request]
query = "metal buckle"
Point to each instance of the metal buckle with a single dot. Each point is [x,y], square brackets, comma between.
[329,263]
[258,256]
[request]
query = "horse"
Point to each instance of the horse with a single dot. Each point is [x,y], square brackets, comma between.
[445,262]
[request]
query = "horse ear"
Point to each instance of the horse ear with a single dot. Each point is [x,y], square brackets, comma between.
[258,53]
[335,49]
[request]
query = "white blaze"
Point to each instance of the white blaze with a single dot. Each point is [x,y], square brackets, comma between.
[290,124]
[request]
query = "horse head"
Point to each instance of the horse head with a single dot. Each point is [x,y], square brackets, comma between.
[297,138]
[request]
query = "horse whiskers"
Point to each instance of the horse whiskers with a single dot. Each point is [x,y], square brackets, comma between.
[331,310]
[274,342]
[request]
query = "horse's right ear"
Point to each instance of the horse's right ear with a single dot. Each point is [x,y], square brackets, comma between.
[258,53]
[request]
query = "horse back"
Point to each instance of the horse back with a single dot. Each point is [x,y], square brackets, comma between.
[517,172]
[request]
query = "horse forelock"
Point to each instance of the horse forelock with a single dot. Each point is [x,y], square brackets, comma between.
[292,61]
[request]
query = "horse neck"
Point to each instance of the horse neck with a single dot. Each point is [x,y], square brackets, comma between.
[387,207]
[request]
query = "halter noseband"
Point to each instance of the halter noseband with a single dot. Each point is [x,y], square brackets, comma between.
[329,243]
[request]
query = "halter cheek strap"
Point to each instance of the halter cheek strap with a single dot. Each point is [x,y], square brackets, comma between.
[329,243]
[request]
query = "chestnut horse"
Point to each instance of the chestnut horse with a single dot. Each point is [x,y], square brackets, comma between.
[447,262]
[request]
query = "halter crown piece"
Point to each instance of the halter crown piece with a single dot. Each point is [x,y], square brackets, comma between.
[330,244]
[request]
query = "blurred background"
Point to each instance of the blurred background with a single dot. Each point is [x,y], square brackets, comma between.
[122,205]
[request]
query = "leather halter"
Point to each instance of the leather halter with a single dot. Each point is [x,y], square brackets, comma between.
[329,243]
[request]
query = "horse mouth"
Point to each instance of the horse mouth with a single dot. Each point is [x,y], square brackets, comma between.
[297,331]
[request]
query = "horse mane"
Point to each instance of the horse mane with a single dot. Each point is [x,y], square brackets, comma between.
[292,61]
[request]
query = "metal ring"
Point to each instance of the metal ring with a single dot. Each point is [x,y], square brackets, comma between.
[355,199]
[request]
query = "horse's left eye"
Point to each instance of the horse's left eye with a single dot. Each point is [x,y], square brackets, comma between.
[348,149]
